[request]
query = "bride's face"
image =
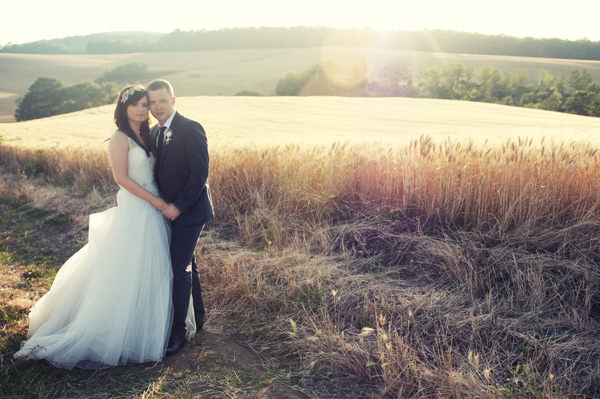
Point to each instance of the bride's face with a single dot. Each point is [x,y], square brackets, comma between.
[138,112]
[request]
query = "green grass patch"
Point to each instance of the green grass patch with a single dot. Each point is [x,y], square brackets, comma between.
[29,262]
[11,315]
[23,242]
[27,379]
[58,219]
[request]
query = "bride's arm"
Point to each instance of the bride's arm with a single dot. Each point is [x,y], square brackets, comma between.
[118,150]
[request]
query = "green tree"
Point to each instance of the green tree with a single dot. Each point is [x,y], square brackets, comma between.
[432,86]
[552,102]
[393,80]
[454,81]
[290,85]
[457,80]
[583,102]
[317,81]
[490,85]
[87,94]
[293,82]
[582,81]
[518,85]
[44,98]
[132,72]
[548,92]
[48,96]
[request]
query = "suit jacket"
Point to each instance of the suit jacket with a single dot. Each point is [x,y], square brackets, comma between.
[181,171]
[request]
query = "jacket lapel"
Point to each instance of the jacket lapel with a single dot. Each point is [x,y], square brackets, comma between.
[173,128]
[153,135]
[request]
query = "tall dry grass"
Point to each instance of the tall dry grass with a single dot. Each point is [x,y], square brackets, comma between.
[505,240]
[431,270]
[80,168]
[448,182]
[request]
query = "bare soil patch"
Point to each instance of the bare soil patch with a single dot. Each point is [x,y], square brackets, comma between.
[217,366]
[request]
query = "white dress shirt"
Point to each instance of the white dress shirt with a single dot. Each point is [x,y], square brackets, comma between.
[167,125]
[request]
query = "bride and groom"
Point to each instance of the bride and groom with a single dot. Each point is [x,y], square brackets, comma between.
[129,295]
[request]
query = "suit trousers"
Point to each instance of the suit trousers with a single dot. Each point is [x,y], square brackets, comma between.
[183,244]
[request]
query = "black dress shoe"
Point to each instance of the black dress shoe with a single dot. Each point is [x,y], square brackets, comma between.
[199,321]
[175,346]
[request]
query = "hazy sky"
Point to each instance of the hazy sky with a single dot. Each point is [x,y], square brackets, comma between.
[30,20]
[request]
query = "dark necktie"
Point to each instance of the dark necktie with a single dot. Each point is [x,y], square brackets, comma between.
[161,138]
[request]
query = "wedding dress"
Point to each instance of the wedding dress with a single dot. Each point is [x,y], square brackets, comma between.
[110,303]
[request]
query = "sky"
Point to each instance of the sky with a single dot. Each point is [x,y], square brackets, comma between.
[31,20]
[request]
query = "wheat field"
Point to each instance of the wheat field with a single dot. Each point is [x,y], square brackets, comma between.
[243,121]
[405,248]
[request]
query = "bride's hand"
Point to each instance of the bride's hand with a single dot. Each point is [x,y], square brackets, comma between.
[159,204]
[171,212]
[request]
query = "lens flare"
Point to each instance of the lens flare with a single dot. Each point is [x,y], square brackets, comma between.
[348,58]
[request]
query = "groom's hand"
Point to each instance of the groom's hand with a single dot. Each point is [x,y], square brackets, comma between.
[171,212]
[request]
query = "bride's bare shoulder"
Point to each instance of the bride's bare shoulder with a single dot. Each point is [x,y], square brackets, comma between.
[119,140]
[118,135]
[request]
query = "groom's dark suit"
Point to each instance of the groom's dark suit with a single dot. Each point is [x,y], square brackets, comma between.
[181,171]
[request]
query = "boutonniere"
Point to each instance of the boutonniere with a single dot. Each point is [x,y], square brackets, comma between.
[168,136]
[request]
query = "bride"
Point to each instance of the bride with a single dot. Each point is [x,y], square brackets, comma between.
[110,303]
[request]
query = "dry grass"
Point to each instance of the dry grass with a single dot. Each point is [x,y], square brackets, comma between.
[419,268]
[447,250]
[436,269]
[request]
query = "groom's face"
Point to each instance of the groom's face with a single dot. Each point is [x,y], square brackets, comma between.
[162,104]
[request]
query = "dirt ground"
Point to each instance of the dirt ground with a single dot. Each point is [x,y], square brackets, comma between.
[216,366]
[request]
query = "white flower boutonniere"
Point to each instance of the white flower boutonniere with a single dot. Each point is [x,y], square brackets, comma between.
[168,136]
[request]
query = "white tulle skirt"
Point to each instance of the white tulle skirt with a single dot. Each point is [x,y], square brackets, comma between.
[110,303]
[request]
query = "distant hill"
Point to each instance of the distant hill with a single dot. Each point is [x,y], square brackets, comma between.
[118,42]
[439,41]
[227,72]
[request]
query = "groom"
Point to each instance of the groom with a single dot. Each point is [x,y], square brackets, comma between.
[181,171]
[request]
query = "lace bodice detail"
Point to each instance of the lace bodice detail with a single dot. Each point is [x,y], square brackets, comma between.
[140,167]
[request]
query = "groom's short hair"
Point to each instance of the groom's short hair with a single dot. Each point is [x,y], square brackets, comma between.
[158,84]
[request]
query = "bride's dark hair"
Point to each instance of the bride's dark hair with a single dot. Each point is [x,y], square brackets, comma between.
[132,94]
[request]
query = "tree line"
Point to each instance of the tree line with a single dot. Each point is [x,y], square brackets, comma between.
[98,43]
[49,96]
[445,41]
[577,94]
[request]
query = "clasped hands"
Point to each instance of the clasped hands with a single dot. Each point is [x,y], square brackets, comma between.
[171,212]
